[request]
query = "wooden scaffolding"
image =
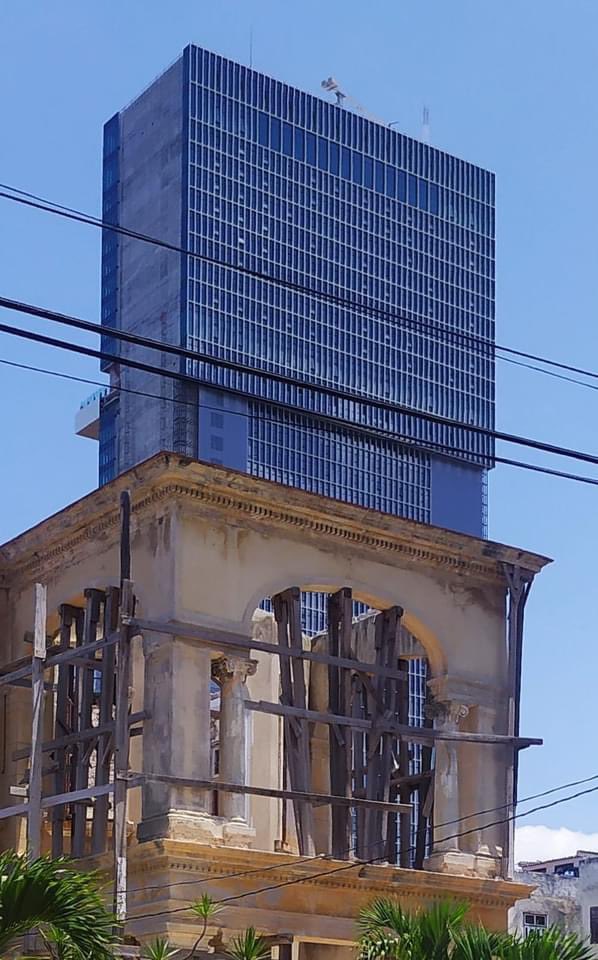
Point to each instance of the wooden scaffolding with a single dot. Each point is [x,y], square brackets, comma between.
[372,786]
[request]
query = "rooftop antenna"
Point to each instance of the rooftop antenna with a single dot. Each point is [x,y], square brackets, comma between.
[251,46]
[426,126]
[345,99]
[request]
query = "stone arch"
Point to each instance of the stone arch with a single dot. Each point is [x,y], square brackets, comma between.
[378,599]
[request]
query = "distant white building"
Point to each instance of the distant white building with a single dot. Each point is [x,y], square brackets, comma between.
[565,895]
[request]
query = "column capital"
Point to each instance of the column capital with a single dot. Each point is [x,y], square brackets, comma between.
[233,667]
[448,712]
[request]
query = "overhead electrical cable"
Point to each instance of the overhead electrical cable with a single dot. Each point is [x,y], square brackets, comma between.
[431,447]
[437,330]
[343,395]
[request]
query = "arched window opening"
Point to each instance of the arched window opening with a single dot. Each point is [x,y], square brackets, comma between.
[352,698]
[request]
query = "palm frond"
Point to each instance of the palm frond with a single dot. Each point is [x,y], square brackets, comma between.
[159,949]
[477,943]
[437,928]
[384,914]
[554,944]
[387,932]
[52,895]
[248,946]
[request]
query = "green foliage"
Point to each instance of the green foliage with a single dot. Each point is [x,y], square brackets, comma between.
[159,949]
[248,946]
[205,908]
[552,944]
[62,903]
[387,932]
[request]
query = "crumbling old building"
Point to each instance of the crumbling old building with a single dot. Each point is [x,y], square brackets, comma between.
[292,778]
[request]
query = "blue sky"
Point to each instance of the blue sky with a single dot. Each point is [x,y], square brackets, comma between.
[509,85]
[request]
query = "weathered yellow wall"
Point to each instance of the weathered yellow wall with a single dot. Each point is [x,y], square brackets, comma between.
[207,546]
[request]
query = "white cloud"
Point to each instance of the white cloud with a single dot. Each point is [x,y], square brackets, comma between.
[536,842]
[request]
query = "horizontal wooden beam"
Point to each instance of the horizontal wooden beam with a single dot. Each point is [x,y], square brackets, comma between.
[79,736]
[74,796]
[412,780]
[217,639]
[414,734]
[66,656]
[17,810]
[26,682]
[319,799]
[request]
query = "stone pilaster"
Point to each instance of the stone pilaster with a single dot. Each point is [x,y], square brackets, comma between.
[176,739]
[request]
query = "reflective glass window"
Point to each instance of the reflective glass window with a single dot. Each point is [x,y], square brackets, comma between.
[275,133]
[356,167]
[264,129]
[346,162]
[412,189]
[287,139]
[401,185]
[334,158]
[391,181]
[322,153]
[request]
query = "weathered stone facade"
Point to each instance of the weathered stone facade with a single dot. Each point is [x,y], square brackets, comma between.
[208,545]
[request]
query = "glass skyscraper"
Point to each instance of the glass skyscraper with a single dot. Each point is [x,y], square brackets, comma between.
[323,246]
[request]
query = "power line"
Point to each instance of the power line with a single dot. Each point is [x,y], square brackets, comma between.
[432,448]
[447,823]
[359,864]
[437,330]
[351,396]
[334,421]
[550,373]
[344,395]
[79,216]
[237,875]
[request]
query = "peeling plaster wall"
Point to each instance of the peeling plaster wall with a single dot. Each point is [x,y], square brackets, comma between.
[208,544]
[566,901]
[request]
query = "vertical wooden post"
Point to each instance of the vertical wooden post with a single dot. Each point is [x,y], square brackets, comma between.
[358,711]
[100,813]
[34,815]
[121,726]
[340,610]
[287,612]
[518,586]
[425,796]
[382,701]
[93,601]
[62,726]
[404,790]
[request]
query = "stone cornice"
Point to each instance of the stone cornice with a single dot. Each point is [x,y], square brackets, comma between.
[186,859]
[249,501]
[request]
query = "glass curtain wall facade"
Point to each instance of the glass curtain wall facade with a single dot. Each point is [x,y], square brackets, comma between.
[330,248]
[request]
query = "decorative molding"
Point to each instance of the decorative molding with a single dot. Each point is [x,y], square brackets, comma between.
[172,479]
[448,712]
[207,862]
[231,667]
